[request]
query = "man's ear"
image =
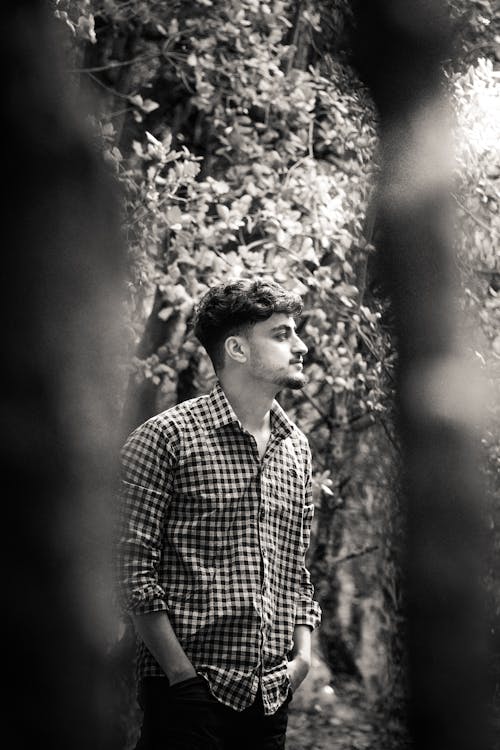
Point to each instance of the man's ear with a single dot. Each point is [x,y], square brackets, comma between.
[235,349]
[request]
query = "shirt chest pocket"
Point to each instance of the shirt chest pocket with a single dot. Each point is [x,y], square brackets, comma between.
[286,483]
[284,501]
[205,488]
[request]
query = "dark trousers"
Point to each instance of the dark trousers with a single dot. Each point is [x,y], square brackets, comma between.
[186,716]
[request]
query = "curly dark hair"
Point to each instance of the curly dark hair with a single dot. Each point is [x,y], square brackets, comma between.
[234,306]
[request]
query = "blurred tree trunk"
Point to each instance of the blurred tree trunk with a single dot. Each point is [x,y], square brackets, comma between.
[141,398]
[60,306]
[114,85]
[400,54]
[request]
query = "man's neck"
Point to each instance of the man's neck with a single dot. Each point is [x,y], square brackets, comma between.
[250,403]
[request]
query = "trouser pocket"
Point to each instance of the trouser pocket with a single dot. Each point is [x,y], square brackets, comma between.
[193,689]
[178,717]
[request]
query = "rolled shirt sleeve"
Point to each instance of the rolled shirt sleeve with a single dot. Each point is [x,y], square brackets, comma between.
[147,466]
[308,611]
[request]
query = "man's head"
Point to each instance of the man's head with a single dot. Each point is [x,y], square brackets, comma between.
[248,326]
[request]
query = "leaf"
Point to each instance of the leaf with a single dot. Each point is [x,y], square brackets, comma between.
[150,137]
[346,290]
[108,129]
[174,215]
[86,28]
[165,313]
[222,211]
[149,105]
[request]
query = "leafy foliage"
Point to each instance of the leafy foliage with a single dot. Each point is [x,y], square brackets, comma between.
[477,104]
[245,145]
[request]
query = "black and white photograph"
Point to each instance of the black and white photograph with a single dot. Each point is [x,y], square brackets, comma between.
[251,374]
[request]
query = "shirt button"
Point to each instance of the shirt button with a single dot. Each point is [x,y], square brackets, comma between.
[262,514]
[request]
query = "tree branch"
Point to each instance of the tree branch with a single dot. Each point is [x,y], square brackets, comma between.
[353,555]
[111,65]
[476,219]
[390,437]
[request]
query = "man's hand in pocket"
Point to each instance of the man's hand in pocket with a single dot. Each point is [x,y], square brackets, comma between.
[297,669]
[192,689]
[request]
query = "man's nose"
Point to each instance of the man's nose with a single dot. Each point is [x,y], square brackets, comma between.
[299,346]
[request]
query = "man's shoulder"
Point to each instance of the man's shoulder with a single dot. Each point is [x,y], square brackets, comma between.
[172,422]
[184,412]
[282,422]
[298,433]
[298,438]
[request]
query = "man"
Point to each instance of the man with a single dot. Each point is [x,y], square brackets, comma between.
[216,523]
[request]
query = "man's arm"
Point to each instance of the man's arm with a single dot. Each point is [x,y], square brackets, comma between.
[147,472]
[308,610]
[158,635]
[300,658]
[308,614]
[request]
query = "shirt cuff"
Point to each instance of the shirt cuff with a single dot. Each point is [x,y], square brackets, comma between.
[308,613]
[152,605]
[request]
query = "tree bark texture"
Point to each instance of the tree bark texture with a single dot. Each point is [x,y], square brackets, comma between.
[62,261]
[400,52]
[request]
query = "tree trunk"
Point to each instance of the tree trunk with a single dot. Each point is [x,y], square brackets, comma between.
[62,264]
[141,399]
[400,54]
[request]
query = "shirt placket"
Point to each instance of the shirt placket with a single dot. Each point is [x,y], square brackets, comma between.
[264,549]
[264,542]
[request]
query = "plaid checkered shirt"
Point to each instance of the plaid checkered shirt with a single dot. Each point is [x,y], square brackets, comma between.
[217,537]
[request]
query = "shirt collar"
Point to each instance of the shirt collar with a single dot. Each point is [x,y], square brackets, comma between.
[220,408]
[223,413]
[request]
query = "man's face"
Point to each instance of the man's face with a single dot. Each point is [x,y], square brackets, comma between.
[276,352]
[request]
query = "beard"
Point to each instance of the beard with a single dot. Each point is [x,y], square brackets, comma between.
[280,377]
[295,382]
